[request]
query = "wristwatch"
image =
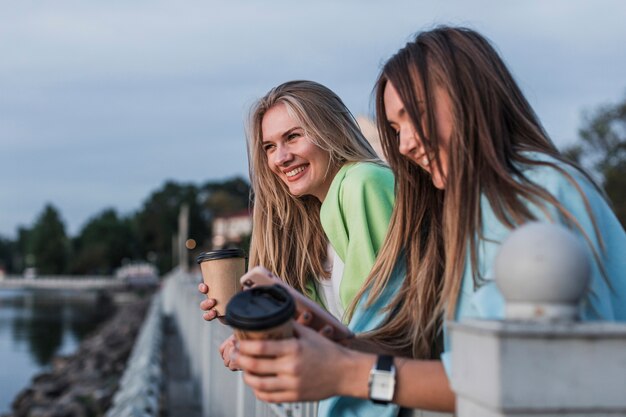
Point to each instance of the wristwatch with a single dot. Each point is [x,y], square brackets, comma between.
[382,381]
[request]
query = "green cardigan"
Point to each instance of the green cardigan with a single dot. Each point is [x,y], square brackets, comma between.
[355,216]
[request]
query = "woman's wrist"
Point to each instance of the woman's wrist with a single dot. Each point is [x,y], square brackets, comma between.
[355,368]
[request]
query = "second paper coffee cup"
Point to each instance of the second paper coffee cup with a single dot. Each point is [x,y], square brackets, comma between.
[261,313]
[221,270]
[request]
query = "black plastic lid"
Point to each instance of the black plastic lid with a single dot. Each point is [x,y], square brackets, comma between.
[260,308]
[220,254]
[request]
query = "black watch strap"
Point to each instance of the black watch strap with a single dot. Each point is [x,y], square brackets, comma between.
[384,362]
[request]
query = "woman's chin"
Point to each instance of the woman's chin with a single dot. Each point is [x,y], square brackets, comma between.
[438,182]
[296,192]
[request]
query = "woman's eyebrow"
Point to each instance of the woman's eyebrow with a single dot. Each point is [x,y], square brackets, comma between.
[288,132]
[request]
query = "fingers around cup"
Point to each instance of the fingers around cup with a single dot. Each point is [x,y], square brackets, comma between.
[228,343]
[203,288]
[207,304]
[327,331]
[305,318]
[210,315]
[232,360]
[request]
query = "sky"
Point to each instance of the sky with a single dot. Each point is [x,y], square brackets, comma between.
[102,102]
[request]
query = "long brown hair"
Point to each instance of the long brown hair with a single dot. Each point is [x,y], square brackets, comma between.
[287,235]
[436,232]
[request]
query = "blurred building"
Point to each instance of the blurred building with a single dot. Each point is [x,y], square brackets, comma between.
[138,274]
[370,131]
[231,229]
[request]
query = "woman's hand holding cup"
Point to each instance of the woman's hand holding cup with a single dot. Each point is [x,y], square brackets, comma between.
[220,270]
[208,304]
[227,348]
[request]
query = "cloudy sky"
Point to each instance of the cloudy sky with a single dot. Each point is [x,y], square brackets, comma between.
[101,102]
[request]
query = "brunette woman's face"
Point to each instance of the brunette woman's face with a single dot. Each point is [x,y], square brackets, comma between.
[409,142]
[293,157]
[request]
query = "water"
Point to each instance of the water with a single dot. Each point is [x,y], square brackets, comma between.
[35,326]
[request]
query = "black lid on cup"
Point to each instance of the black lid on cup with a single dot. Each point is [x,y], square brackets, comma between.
[220,254]
[260,308]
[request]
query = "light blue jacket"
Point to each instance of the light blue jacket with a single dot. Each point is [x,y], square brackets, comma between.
[601,302]
[605,300]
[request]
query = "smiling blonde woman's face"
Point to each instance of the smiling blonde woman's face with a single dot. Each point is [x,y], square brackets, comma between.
[409,143]
[293,157]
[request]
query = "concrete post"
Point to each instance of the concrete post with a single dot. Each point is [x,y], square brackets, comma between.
[540,361]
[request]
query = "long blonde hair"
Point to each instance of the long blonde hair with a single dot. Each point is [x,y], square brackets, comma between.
[287,235]
[434,232]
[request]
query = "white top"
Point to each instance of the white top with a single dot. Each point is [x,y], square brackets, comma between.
[328,289]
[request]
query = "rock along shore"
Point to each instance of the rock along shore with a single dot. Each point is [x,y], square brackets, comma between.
[83,384]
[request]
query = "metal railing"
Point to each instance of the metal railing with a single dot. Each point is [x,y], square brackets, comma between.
[222,392]
[139,393]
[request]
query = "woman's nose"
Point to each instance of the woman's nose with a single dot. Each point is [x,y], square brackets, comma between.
[408,142]
[283,156]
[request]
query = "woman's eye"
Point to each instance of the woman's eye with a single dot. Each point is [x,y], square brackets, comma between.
[268,147]
[292,136]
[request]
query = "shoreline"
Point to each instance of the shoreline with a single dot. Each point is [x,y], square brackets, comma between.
[82,384]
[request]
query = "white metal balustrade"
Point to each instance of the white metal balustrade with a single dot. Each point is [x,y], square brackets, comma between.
[139,392]
[222,392]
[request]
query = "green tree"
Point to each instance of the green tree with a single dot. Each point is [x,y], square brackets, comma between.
[157,222]
[103,243]
[615,186]
[220,198]
[602,149]
[22,257]
[48,243]
[7,248]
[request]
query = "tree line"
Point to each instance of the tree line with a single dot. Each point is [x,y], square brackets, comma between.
[109,239]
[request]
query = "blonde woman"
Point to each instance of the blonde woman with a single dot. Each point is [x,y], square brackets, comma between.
[322,201]
[472,163]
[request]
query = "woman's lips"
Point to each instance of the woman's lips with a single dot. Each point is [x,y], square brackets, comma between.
[296,173]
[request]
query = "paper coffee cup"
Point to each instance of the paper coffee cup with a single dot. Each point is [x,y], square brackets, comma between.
[221,270]
[262,313]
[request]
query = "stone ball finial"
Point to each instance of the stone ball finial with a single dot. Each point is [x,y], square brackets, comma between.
[542,270]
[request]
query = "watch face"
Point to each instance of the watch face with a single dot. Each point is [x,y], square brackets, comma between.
[382,385]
